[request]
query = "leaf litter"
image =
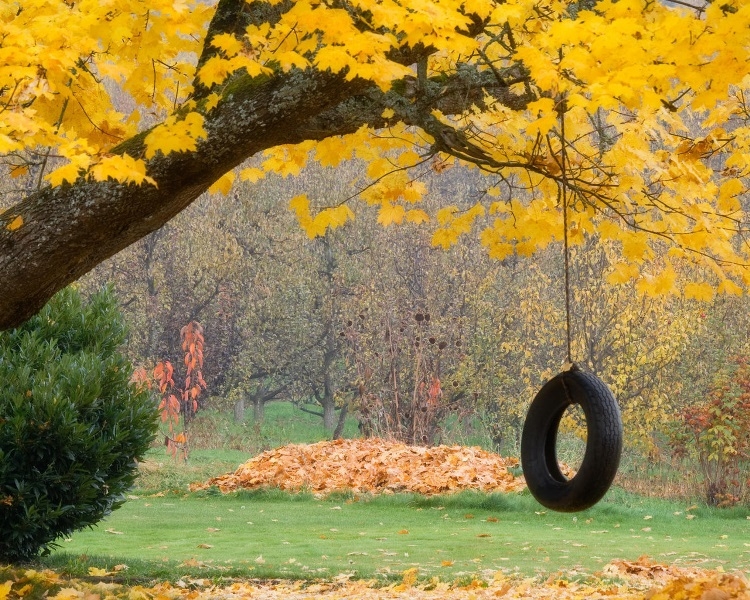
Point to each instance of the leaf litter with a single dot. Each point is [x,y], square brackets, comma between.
[373,466]
[619,580]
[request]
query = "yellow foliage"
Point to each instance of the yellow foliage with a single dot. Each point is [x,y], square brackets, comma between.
[651,100]
[176,135]
[317,225]
[699,291]
[124,169]
[417,216]
[223,184]
[252,174]
[391,213]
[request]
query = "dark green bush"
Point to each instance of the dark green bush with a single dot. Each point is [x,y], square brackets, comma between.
[71,424]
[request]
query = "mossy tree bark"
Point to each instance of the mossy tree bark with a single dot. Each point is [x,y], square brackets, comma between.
[68,230]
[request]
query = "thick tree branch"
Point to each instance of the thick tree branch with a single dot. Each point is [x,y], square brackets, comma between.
[68,230]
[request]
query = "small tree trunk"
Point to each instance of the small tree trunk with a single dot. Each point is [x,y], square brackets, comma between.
[259,409]
[329,413]
[239,410]
[342,420]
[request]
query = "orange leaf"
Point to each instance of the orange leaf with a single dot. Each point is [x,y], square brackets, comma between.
[16,223]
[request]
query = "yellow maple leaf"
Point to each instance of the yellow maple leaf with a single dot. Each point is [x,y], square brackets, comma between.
[727,286]
[71,172]
[176,135]
[417,216]
[215,70]
[252,174]
[661,284]
[391,213]
[68,594]
[414,191]
[410,576]
[227,43]
[124,169]
[623,273]
[334,58]
[445,214]
[300,204]
[19,171]
[223,184]
[291,59]
[331,151]
[699,291]
[212,101]
[335,216]
[5,589]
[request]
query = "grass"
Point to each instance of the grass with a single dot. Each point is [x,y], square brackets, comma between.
[163,532]
[271,534]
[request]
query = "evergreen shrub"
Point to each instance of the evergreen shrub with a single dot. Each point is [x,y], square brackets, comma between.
[72,425]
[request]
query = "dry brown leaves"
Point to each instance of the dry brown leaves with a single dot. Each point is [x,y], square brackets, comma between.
[620,580]
[374,466]
[683,586]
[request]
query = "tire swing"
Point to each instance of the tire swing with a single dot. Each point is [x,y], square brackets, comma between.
[544,478]
[601,459]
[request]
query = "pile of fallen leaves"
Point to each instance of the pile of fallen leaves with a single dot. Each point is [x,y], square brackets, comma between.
[373,466]
[619,580]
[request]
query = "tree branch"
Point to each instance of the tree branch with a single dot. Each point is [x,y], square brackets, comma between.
[68,230]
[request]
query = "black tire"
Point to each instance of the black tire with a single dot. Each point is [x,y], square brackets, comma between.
[603,445]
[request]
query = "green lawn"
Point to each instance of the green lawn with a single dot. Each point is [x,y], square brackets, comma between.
[273,534]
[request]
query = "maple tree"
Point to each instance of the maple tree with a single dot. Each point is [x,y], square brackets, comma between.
[632,115]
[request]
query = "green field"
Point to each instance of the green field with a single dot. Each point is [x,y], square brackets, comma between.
[274,534]
[163,531]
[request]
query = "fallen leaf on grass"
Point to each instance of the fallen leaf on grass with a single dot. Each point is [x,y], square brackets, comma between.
[204,546]
[113,532]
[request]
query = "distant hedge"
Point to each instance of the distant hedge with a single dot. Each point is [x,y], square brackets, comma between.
[71,424]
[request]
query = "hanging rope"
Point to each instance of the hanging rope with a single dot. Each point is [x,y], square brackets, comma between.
[566,250]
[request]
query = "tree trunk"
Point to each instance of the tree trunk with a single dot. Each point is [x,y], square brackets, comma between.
[329,414]
[239,410]
[337,433]
[259,409]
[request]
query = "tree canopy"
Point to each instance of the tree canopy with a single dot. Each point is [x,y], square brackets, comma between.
[626,121]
